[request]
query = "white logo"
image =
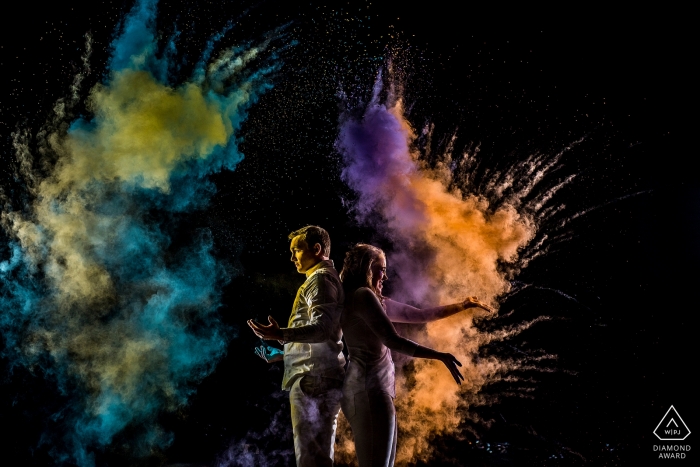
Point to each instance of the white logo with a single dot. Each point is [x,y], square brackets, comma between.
[671,427]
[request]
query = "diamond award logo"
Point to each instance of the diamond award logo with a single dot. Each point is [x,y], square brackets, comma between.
[671,427]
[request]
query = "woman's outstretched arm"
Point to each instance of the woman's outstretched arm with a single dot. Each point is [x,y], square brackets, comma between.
[372,312]
[401,313]
[368,308]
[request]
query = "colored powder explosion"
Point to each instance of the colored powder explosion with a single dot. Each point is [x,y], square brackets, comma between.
[96,293]
[447,243]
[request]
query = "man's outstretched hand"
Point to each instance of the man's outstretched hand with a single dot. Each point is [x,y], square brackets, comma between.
[269,332]
[269,354]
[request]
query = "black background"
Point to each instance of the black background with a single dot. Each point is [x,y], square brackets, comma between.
[516,81]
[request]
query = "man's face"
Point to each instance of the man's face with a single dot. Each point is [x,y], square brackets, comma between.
[379,274]
[302,257]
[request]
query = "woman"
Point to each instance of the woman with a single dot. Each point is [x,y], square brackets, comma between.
[368,390]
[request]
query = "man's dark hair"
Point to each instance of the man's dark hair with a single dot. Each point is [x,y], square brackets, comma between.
[313,234]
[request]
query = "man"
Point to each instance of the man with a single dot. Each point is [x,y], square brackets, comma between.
[313,357]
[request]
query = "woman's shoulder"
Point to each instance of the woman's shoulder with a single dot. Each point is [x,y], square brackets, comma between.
[363,292]
[365,297]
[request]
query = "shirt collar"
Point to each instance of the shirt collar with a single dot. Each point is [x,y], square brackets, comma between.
[325,264]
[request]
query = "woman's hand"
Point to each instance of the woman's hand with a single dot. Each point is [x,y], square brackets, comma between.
[451,363]
[473,302]
[448,359]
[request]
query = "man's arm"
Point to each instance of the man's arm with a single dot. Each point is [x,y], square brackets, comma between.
[322,295]
[402,313]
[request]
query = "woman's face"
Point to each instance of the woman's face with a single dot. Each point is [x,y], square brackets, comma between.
[379,273]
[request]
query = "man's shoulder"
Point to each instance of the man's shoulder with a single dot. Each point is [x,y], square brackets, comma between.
[330,270]
[323,280]
[326,271]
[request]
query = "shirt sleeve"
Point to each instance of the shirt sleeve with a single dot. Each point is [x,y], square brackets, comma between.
[370,310]
[322,296]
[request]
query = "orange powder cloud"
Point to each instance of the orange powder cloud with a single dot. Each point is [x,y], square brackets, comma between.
[462,241]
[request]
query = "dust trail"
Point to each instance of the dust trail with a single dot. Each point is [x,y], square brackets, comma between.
[104,289]
[594,208]
[260,449]
[449,239]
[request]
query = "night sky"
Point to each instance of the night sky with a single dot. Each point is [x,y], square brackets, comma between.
[617,281]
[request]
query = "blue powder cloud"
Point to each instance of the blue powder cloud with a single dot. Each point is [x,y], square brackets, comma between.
[96,295]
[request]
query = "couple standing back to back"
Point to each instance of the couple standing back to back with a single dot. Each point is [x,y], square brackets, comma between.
[314,363]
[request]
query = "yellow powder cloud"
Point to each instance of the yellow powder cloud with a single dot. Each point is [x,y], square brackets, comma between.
[141,132]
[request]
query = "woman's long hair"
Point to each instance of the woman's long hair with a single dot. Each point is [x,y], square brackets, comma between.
[357,270]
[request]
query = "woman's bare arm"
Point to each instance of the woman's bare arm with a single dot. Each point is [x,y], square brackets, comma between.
[370,310]
[402,313]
